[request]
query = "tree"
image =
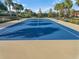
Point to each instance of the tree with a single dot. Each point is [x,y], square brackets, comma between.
[68,5]
[21,7]
[45,14]
[34,14]
[40,13]
[2,7]
[77,2]
[18,7]
[50,13]
[9,3]
[30,13]
[64,7]
[59,7]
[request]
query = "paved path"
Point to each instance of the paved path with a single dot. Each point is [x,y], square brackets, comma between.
[35,49]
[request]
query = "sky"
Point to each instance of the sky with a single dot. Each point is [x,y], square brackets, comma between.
[45,5]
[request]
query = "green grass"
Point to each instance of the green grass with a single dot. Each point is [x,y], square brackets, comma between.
[7,19]
[73,20]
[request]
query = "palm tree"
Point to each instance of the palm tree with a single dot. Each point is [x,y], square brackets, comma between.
[2,7]
[21,7]
[68,5]
[18,7]
[9,3]
[56,7]
[59,7]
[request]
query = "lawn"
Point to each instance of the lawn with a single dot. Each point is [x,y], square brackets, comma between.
[71,20]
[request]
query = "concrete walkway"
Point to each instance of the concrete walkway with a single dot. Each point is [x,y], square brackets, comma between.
[39,49]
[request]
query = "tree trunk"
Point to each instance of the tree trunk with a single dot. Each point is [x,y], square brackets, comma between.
[10,13]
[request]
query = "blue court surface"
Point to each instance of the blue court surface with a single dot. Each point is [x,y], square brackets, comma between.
[38,29]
